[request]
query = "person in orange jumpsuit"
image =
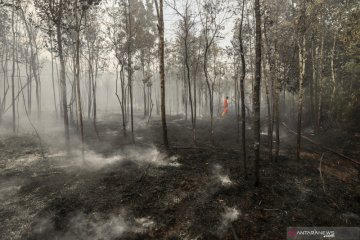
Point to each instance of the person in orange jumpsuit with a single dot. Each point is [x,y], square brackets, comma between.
[226,107]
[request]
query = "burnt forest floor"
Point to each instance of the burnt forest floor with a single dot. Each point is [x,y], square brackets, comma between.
[123,191]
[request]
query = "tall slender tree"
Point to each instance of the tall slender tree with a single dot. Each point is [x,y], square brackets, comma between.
[242,89]
[54,12]
[256,90]
[160,14]
[187,24]
[301,40]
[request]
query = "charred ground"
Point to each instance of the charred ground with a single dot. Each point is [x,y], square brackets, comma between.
[192,192]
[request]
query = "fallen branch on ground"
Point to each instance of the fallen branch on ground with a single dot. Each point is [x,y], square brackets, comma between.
[321,176]
[234,232]
[216,149]
[272,209]
[321,146]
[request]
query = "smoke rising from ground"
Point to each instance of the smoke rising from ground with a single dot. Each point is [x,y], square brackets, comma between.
[221,175]
[74,174]
[95,226]
[93,161]
[230,215]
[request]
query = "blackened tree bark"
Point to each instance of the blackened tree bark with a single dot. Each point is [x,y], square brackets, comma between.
[6,85]
[160,15]
[130,72]
[13,66]
[256,91]
[276,106]
[52,76]
[63,82]
[268,91]
[242,91]
[77,72]
[320,90]
[302,60]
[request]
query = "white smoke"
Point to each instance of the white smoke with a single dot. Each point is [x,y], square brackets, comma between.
[221,176]
[96,226]
[228,217]
[94,161]
[9,188]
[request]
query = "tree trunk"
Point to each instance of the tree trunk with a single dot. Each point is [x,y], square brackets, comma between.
[333,77]
[320,85]
[94,84]
[184,93]
[160,15]
[237,101]
[268,89]
[242,93]
[130,73]
[63,84]
[277,125]
[122,100]
[189,82]
[302,61]
[144,88]
[195,99]
[90,87]
[4,65]
[34,62]
[52,77]
[13,67]
[312,87]
[276,108]
[256,91]
[77,71]
[61,110]
[210,89]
